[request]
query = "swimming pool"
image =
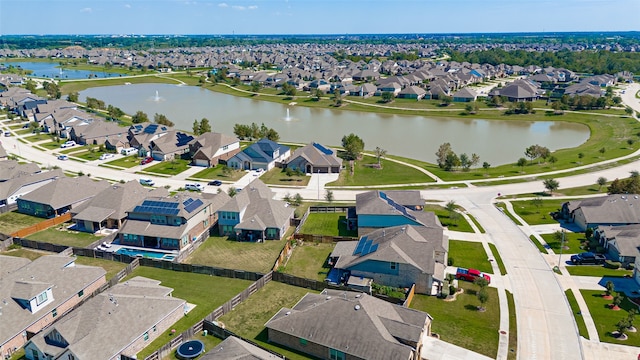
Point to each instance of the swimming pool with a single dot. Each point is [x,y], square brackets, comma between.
[145,253]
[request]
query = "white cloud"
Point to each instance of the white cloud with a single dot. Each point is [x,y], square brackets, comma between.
[223,5]
[128,6]
[238,7]
[86,10]
[252,7]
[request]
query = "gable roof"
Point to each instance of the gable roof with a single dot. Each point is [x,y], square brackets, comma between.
[377,202]
[65,191]
[233,348]
[261,211]
[354,323]
[626,239]
[210,142]
[11,186]
[611,209]
[317,155]
[262,151]
[10,169]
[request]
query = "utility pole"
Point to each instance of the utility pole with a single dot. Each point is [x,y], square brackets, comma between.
[561,247]
[318,175]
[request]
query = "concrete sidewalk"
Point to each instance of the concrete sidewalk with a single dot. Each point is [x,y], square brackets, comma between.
[436,349]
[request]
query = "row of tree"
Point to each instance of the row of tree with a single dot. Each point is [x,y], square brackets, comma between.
[448,160]
[254,131]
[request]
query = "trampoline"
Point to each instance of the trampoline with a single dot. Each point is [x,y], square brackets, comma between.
[190,350]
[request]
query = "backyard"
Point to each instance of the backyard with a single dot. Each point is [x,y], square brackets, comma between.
[62,235]
[230,254]
[111,267]
[309,261]
[330,224]
[13,221]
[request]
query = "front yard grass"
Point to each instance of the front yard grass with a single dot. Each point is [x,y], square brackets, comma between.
[51,145]
[596,270]
[37,137]
[61,235]
[278,176]
[230,254]
[460,323]
[513,328]
[89,155]
[125,162]
[216,172]
[391,173]
[457,224]
[206,292]
[111,267]
[248,318]
[13,221]
[469,254]
[577,315]
[173,167]
[572,242]
[330,224]
[534,215]
[309,261]
[606,319]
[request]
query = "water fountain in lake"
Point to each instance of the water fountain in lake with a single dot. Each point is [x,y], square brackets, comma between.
[157,98]
[288,117]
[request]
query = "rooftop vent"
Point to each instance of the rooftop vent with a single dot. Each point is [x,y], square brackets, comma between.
[357,307]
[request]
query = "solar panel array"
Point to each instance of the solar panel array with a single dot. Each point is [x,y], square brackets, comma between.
[158,208]
[151,129]
[323,149]
[365,246]
[397,206]
[183,139]
[190,204]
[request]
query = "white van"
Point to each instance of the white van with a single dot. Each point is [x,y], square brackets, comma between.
[148,182]
[128,151]
[194,187]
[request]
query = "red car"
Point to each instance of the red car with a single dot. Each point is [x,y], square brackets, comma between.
[470,275]
[146,160]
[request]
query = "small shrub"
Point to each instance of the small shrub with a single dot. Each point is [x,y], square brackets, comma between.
[15,246]
[612,264]
[630,266]
[450,261]
[452,289]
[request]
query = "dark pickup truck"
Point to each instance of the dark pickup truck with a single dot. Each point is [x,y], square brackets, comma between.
[588,258]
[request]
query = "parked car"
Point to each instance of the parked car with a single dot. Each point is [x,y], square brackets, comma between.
[106,156]
[588,258]
[128,151]
[63,157]
[215,183]
[470,274]
[148,182]
[194,187]
[146,160]
[68,144]
[7,133]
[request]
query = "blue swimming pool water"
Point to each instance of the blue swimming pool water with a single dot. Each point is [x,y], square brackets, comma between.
[144,253]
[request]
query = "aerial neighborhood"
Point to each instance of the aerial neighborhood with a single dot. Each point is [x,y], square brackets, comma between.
[128,236]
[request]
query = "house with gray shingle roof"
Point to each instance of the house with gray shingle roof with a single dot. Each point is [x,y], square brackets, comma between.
[610,210]
[412,92]
[23,182]
[59,196]
[263,154]
[211,147]
[465,95]
[233,348]
[350,325]
[379,209]
[173,145]
[36,293]
[97,132]
[120,321]
[622,243]
[253,215]
[315,158]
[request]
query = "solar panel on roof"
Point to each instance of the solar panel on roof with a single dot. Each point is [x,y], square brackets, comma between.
[367,247]
[323,149]
[360,245]
[193,205]
[383,195]
[187,202]
[151,129]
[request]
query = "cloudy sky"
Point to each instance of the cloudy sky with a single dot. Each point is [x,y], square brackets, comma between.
[313,16]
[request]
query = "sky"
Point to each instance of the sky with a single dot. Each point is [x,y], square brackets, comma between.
[223,17]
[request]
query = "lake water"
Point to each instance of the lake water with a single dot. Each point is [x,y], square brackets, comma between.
[495,141]
[52,70]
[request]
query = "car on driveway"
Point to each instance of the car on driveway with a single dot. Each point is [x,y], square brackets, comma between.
[106,156]
[146,160]
[215,183]
[194,187]
[588,258]
[471,275]
[148,182]
[68,144]
[63,157]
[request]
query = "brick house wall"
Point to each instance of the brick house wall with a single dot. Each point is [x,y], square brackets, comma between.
[140,343]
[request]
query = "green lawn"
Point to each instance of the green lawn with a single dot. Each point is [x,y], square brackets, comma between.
[575,309]
[572,242]
[502,207]
[538,244]
[62,236]
[596,270]
[89,155]
[309,261]
[13,221]
[330,224]
[125,162]
[513,328]
[231,254]
[460,323]
[534,215]
[173,167]
[206,292]
[277,176]
[216,172]
[25,253]
[469,254]
[248,318]
[51,145]
[496,255]
[36,137]
[606,319]
[74,149]
[475,221]
[391,173]
[457,224]
[111,267]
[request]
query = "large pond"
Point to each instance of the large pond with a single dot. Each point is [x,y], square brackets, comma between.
[495,141]
[53,70]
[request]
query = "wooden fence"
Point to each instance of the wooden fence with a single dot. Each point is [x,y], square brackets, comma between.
[284,254]
[222,333]
[329,209]
[42,225]
[326,239]
[410,295]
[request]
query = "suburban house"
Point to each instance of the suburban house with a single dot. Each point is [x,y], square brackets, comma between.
[59,196]
[412,92]
[14,184]
[97,132]
[36,293]
[120,321]
[170,223]
[263,154]
[315,158]
[61,121]
[519,90]
[377,209]
[253,215]
[211,147]
[613,210]
[173,145]
[235,348]
[465,95]
[108,209]
[350,325]
[139,136]
[622,243]
[398,256]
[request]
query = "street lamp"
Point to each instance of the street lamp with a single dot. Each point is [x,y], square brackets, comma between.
[318,173]
[561,247]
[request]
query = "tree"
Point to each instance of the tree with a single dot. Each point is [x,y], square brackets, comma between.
[451,209]
[329,196]
[602,181]
[446,100]
[522,162]
[232,191]
[317,95]
[537,202]
[297,199]
[380,153]
[483,297]
[289,89]
[337,98]
[443,151]
[241,131]
[73,96]
[451,162]
[353,146]
[609,288]
[465,162]
[580,156]
[622,326]
[114,112]
[553,160]
[162,120]
[628,110]
[196,127]
[255,86]
[475,159]
[602,150]
[551,185]
[205,127]
[139,117]
[486,166]
[386,96]
[30,85]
